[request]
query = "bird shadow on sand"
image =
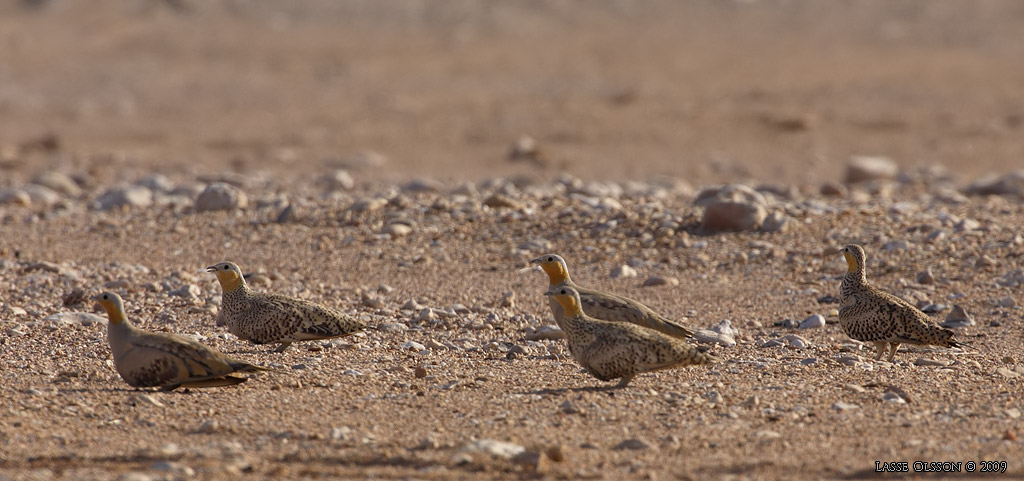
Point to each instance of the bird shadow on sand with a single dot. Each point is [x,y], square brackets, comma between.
[610,389]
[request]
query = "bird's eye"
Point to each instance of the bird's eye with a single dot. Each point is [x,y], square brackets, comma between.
[227,268]
[551,259]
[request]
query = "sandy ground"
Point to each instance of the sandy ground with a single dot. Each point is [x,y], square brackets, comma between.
[661,98]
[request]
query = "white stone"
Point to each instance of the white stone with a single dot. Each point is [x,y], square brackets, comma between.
[58,182]
[622,271]
[126,196]
[864,168]
[221,196]
[812,321]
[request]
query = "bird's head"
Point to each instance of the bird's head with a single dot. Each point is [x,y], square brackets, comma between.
[569,299]
[554,266]
[228,274]
[854,255]
[112,303]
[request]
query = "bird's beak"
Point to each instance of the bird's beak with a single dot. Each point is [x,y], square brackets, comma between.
[537,260]
[211,269]
[549,293]
[96,297]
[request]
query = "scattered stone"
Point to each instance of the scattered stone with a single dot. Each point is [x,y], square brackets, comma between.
[925,277]
[85,319]
[420,372]
[634,444]
[812,321]
[864,168]
[336,180]
[622,271]
[398,230]
[526,148]
[221,196]
[174,468]
[41,196]
[413,346]
[892,397]
[930,362]
[732,208]
[1007,372]
[1010,184]
[1007,302]
[661,281]
[132,196]
[395,327]
[343,433]
[843,406]
[15,197]
[508,300]
[567,407]
[187,292]
[498,449]
[75,297]
[958,317]
[723,334]
[208,426]
[143,398]
[832,189]
[544,333]
[498,201]
[775,222]
[423,185]
[58,182]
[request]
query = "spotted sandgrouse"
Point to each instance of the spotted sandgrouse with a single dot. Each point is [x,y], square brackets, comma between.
[265,318]
[869,314]
[603,305]
[611,350]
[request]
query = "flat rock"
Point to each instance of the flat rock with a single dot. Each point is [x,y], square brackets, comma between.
[131,196]
[660,281]
[1010,184]
[498,449]
[545,333]
[634,444]
[843,406]
[76,318]
[732,208]
[865,168]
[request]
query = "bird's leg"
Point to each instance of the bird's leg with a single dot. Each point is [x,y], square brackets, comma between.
[893,346]
[169,387]
[881,347]
[624,381]
[282,347]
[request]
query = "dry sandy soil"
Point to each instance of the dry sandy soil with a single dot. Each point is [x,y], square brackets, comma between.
[634,105]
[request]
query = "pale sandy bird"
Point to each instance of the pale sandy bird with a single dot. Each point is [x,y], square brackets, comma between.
[151,359]
[613,350]
[603,305]
[265,318]
[869,314]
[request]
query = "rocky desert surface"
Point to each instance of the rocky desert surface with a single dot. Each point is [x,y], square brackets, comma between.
[403,161]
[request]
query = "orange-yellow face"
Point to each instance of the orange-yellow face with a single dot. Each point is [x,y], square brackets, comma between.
[554,266]
[111,303]
[569,300]
[854,255]
[228,274]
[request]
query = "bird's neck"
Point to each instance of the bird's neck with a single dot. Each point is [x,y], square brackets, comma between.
[855,271]
[557,274]
[233,284]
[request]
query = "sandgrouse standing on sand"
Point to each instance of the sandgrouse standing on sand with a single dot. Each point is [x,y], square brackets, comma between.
[150,359]
[869,314]
[602,305]
[610,350]
[272,318]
